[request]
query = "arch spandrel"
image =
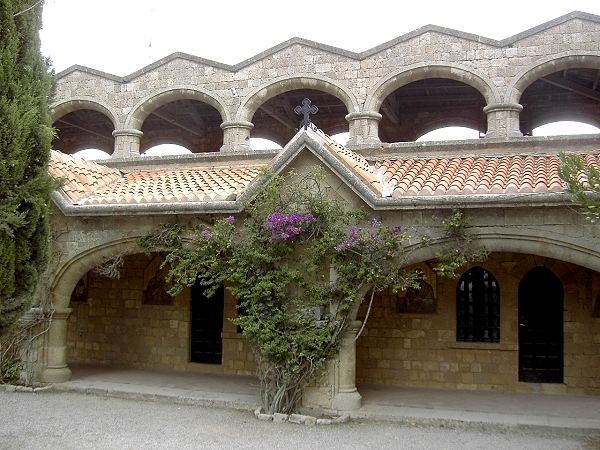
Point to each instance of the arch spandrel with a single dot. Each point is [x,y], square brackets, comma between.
[144,107]
[399,78]
[265,92]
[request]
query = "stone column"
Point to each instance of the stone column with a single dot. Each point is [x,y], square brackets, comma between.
[127,143]
[236,136]
[56,370]
[347,397]
[503,120]
[364,128]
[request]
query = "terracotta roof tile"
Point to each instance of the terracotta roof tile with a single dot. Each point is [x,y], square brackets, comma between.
[508,174]
[195,184]
[89,183]
[355,162]
[80,177]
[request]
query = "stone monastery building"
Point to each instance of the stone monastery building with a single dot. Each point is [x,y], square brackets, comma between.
[525,319]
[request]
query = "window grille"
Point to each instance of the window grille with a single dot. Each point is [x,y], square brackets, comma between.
[477,307]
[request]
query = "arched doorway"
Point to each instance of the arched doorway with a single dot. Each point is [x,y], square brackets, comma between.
[541,327]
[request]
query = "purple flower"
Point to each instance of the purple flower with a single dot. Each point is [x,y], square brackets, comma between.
[230,220]
[206,234]
[286,226]
[375,222]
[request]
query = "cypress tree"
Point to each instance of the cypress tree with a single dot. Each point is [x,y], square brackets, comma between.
[25,139]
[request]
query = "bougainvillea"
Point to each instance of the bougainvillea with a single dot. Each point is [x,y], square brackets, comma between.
[299,264]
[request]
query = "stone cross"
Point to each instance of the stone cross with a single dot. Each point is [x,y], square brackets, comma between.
[306,110]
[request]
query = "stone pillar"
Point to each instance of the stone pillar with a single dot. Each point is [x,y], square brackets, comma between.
[127,143]
[347,397]
[236,136]
[503,120]
[364,128]
[56,370]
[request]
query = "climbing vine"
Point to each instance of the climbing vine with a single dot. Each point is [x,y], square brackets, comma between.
[298,263]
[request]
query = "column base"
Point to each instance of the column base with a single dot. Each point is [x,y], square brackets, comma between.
[56,375]
[346,401]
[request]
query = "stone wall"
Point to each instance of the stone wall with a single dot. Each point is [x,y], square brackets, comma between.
[421,349]
[113,327]
[499,70]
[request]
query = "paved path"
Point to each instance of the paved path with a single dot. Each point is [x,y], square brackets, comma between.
[389,403]
[53,420]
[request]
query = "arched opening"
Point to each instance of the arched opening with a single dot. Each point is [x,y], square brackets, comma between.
[132,321]
[83,129]
[449,134]
[167,150]
[425,105]
[420,339]
[568,95]
[276,120]
[341,138]
[540,327]
[192,124]
[264,144]
[91,154]
[564,128]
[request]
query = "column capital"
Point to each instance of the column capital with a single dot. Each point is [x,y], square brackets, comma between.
[493,107]
[127,132]
[237,124]
[61,314]
[373,115]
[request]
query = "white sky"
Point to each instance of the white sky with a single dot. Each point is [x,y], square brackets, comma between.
[122,36]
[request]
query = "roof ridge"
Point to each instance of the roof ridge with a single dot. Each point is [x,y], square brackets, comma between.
[335,50]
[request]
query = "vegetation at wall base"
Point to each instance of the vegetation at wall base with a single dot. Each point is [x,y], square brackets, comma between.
[299,264]
[25,139]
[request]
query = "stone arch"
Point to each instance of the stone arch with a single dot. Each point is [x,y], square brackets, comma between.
[555,63]
[60,109]
[288,83]
[144,107]
[71,272]
[537,243]
[395,80]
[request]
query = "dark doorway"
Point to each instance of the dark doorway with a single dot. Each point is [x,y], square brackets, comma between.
[540,327]
[207,326]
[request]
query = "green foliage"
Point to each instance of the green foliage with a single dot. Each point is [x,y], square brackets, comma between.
[460,248]
[25,138]
[297,263]
[583,184]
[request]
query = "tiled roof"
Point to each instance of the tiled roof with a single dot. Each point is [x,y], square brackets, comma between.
[80,177]
[355,162]
[508,174]
[196,184]
[89,183]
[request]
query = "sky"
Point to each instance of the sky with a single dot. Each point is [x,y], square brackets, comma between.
[122,36]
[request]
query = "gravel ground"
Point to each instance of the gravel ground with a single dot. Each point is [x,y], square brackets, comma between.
[49,420]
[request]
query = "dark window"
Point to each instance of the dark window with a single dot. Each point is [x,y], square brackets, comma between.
[477,307]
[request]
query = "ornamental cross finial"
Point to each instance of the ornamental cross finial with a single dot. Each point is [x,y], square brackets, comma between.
[306,110]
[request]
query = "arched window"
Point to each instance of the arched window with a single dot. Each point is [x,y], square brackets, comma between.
[477,307]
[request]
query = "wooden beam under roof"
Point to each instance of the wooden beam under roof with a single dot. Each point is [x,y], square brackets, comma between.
[574,87]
